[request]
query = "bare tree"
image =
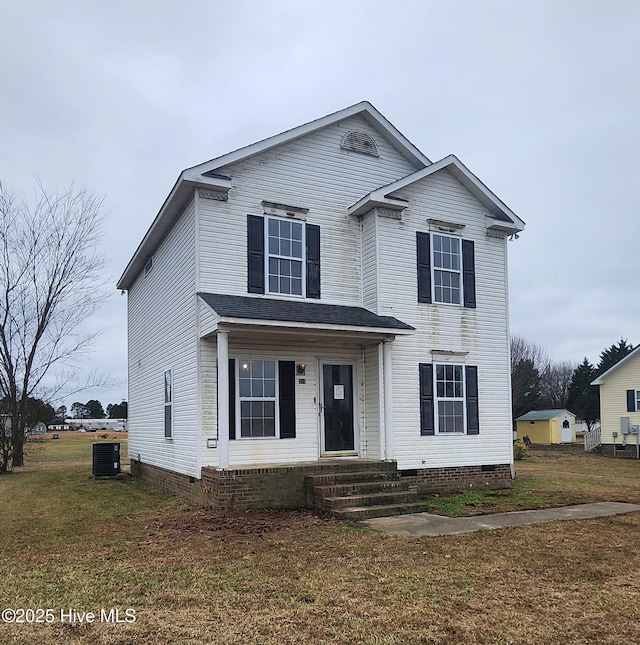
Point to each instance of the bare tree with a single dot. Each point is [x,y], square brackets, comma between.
[525,350]
[50,284]
[555,379]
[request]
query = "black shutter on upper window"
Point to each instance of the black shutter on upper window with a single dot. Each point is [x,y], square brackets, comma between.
[424,267]
[313,260]
[468,273]
[287,399]
[471,382]
[426,399]
[255,254]
[631,400]
[232,398]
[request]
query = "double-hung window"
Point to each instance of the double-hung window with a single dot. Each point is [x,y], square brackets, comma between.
[285,257]
[168,405]
[450,400]
[257,398]
[633,400]
[447,269]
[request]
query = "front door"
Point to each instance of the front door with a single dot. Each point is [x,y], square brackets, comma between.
[337,412]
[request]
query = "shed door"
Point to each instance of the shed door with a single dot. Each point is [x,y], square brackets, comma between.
[566,431]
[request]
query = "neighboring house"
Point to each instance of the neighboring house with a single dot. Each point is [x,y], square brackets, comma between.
[547,426]
[55,427]
[326,297]
[620,406]
[38,428]
[97,424]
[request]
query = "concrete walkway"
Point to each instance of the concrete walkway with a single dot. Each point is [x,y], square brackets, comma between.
[424,524]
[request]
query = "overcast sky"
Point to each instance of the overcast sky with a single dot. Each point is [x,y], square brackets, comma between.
[540,99]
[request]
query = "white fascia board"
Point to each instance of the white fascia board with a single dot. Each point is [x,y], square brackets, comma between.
[174,204]
[368,203]
[600,380]
[506,218]
[227,323]
[364,108]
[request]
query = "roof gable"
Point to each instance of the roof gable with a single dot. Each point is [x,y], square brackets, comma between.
[628,358]
[364,109]
[384,196]
[207,175]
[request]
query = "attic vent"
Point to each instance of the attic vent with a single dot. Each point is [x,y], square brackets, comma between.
[360,142]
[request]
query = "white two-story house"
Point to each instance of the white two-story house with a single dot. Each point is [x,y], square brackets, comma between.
[327,296]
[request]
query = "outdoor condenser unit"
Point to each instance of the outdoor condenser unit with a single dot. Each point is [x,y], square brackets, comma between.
[106,459]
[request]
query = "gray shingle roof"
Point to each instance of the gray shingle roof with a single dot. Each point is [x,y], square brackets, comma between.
[295,311]
[542,415]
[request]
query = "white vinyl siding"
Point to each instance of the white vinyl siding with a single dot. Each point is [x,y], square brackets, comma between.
[305,446]
[313,173]
[478,336]
[161,333]
[613,398]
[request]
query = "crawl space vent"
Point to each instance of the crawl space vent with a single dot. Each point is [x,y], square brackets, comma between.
[360,142]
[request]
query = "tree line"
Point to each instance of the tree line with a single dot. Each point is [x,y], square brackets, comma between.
[540,383]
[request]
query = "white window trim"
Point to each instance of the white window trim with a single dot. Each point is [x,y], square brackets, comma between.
[637,400]
[434,269]
[437,399]
[168,404]
[239,399]
[267,255]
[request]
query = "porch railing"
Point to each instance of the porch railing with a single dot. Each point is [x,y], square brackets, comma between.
[593,439]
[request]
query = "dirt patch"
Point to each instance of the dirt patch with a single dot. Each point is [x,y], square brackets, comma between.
[232,526]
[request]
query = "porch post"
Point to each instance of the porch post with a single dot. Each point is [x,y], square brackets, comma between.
[223,398]
[388,399]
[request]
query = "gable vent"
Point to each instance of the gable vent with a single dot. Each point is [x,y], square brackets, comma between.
[360,142]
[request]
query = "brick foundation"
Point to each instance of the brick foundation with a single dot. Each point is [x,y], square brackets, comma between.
[458,478]
[278,486]
[629,451]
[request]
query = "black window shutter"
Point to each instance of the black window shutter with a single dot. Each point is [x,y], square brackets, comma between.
[313,260]
[631,400]
[426,399]
[255,254]
[232,398]
[424,267]
[287,399]
[468,273]
[471,382]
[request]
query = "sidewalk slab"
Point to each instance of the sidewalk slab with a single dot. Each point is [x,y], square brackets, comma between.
[425,524]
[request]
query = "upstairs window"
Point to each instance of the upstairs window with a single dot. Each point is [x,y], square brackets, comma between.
[447,269]
[285,257]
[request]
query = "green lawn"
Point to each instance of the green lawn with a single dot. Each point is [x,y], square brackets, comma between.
[191,576]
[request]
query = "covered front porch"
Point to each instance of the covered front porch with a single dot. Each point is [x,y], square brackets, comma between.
[292,383]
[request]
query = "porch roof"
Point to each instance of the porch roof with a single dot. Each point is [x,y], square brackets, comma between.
[293,313]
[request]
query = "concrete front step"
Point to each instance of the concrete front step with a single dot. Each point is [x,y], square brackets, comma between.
[373,499]
[355,514]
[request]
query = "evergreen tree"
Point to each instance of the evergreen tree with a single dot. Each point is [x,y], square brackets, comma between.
[610,356]
[583,398]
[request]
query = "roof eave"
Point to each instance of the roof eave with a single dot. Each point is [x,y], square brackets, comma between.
[286,324]
[170,212]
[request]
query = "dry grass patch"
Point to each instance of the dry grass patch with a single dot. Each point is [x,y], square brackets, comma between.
[195,576]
